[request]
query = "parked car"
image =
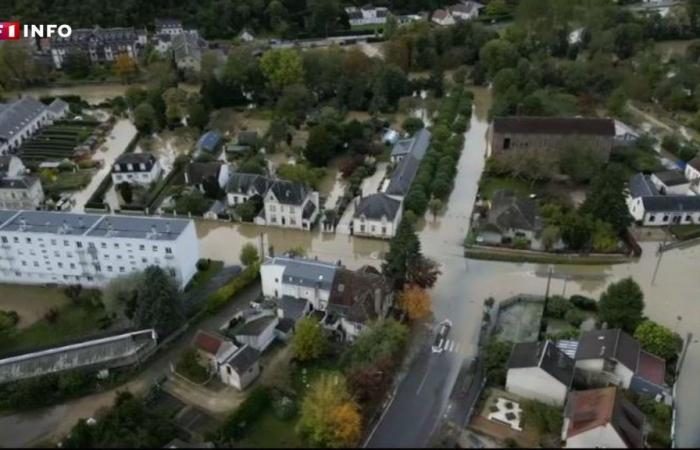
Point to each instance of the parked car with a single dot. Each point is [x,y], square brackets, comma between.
[441,337]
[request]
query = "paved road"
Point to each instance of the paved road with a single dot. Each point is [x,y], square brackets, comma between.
[34,427]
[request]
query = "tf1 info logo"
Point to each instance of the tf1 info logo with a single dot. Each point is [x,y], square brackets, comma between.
[11,31]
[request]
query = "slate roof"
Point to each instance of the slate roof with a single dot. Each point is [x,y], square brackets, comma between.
[135,159]
[376,206]
[671,177]
[197,172]
[546,356]
[57,106]
[587,410]
[112,351]
[694,163]
[309,209]
[209,141]
[255,326]
[403,175]
[285,325]
[5,161]
[555,125]
[305,272]
[353,294]
[243,359]
[51,222]
[511,212]
[18,183]
[672,203]
[417,145]
[186,44]
[241,183]
[14,116]
[609,344]
[150,228]
[640,185]
[85,38]
[289,192]
[292,308]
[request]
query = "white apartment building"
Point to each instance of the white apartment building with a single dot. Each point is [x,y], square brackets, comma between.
[99,44]
[38,247]
[20,119]
[366,15]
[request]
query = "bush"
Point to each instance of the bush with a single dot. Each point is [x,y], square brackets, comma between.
[224,294]
[546,419]
[284,406]
[574,317]
[557,307]
[584,303]
[237,424]
[203,264]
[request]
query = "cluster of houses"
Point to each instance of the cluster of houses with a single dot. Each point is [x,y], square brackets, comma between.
[342,300]
[461,11]
[607,362]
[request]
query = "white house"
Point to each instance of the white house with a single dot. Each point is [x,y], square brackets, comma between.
[540,371]
[39,247]
[289,204]
[100,45]
[443,17]
[692,169]
[136,168]
[366,15]
[624,134]
[376,215]
[187,50]
[649,207]
[256,330]
[168,26]
[602,418]
[236,366]
[670,182]
[20,119]
[241,187]
[466,10]
[298,278]
[18,190]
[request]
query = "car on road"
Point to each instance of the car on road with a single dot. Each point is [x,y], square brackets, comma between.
[441,337]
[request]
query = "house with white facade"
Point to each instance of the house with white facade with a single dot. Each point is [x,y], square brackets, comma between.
[649,207]
[241,187]
[168,26]
[20,119]
[466,10]
[443,17]
[136,168]
[39,247]
[187,50]
[692,173]
[100,45]
[344,300]
[234,365]
[376,215]
[255,328]
[367,15]
[671,182]
[289,204]
[197,173]
[618,358]
[540,371]
[417,145]
[602,418]
[18,189]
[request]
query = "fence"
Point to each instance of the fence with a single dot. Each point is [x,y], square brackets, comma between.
[96,202]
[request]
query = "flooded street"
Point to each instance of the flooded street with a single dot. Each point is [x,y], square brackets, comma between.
[91,93]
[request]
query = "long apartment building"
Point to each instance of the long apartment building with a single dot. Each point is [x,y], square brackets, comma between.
[38,247]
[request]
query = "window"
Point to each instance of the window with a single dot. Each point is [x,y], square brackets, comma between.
[24,263]
[687,217]
[272,208]
[65,243]
[652,218]
[506,143]
[29,240]
[155,248]
[142,247]
[53,241]
[4,240]
[36,264]
[168,250]
[362,228]
[109,268]
[60,265]
[383,230]
[665,219]
[79,244]
[103,245]
[144,260]
[172,272]
[121,269]
[116,245]
[16,240]
[72,266]
[273,219]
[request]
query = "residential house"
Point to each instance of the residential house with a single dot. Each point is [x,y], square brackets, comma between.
[376,215]
[216,210]
[417,145]
[356,298]
[248,138]
[466,10]
[210,142]
[366,15]
[168,26]
[18,189]
[136,168]
[443,17]
[602,418]
[618,358]
[256,328]
[624,134]
[513,134]
[187,50]
[402,177]
[100,45]
[246,35]
[197,173]
[289,204]
[692,173]
[40,247]
[671,182]
[234,365]
[303,279]
[649,207]
[510,218]
[540,371]
[105,353]
[20,119]
[241,187]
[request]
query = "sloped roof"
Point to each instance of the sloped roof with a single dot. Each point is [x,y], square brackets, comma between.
[672,203]
[403,175]
[353,294]
[208,342]
[292,308]
[511,212]
[305,272]
[256,326]
[209,140]
[555,125]
[640,185]
[24,182]
[243,359]
[593,408]
[197,172]
[671,177]
[606,344]
[694,163]
[309,209]
[57,106]
[186,44]
[651,368]
[417,145]
[546,356]
[136,158]
[14,116]
[289,192]
[242,182]
[378,205]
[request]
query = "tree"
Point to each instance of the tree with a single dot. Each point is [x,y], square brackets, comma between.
[76,64]
[498,54]
[496,356]
[192,202]
[157,302]
[134,96]
[606,199]
[550,236]
[329,415]
[294,103]
[390,27]
[282,67]
[17,66]
[197,115]
[604,238]
[381,341]
[576,230]
[176,103]
[321,146]
[422,272]
[545,418]
[249,255]
[404,251]
[497,8]
[8,323]
[617,102]
[659,340]
[415,302]
[309,340]
[124,67]
[145,118]
[412,124]
[126,191]
[323,15]
[621,305]
[435,205]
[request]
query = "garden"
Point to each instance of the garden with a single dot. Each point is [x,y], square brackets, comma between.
[64,139]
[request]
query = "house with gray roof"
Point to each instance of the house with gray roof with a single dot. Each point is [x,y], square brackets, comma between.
[241,368]
[289,204]
[540,371]
[187,49]
[100,45]
[255,328]
[511,217]
[417,145]
[651,206]
[376,215]
[110,352]
[18,189]
[670,182]
[241,187]
[20,119]
[402,177]
[136,168]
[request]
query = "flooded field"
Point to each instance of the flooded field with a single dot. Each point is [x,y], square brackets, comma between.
[672,48]
[30,302]
[91,93]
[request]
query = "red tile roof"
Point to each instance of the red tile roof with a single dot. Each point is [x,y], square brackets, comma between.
[207,342]
[651,368]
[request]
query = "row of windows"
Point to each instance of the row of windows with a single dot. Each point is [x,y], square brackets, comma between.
[79,244]
[74,277]
[291,209]
[373,229]
[665,218]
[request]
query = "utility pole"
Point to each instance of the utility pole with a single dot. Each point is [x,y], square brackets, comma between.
[660,254]
[261,244]
[543,321]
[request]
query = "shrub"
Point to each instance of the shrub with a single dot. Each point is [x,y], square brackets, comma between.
[574,317]
[222,296]
[236,425]
[557,307]
[584,303]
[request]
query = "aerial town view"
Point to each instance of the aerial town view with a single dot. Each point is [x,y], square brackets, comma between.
[349,223]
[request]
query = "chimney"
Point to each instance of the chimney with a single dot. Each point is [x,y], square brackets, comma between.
[22,224]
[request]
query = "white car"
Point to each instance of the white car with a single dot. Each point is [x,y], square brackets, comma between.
[441,337]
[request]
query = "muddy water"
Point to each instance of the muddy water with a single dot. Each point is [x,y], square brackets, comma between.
[92,94]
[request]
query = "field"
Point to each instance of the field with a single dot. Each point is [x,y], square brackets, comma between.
[58,141]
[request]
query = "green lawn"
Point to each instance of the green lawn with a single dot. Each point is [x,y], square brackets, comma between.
[370,27]
[489,185]
[685,232]
[72,322]
[271,432]
[68,181]
[203,276]
[304,376]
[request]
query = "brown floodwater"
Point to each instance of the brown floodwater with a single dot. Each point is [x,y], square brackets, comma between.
[91,93]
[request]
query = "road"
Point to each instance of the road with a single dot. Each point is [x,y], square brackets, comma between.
[52,423]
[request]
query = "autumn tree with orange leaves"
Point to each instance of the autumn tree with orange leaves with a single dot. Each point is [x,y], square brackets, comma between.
[330,417]
[415,301]
[124,66]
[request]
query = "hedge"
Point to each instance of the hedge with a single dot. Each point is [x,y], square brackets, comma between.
[224,294]
[237,424]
